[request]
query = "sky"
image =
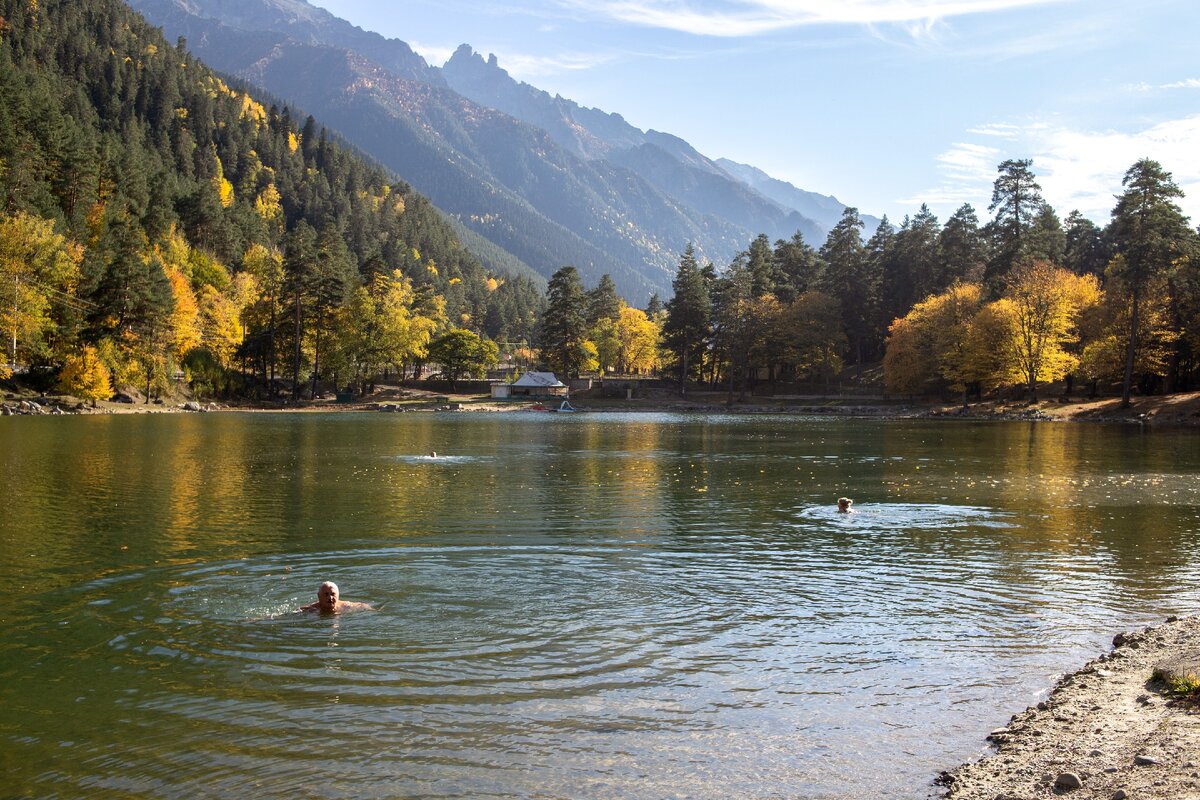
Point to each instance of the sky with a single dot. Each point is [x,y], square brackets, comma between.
[885,104]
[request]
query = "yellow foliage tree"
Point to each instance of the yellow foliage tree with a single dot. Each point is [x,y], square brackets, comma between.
[638,339]
[220,324]
[1046,302]
[185,318]
[39,272]
[908,366]
[929,344]
[85,376]
[989,357]
[385,323]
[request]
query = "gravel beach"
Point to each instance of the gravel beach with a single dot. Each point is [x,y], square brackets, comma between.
[1111,730]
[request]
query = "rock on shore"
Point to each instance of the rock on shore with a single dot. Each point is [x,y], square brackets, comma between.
[1112,730]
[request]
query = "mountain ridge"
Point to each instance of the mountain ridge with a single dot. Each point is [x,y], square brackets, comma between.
[552,184]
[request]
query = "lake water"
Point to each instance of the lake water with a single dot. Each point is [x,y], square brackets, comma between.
[570,606]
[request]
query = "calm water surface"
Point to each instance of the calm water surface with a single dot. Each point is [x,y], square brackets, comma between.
[587,606]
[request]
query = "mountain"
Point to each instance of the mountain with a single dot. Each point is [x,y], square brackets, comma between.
[549,182]
[824,209]
[668,162]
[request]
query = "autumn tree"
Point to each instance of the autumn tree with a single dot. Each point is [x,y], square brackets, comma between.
[928,346]
[637,341]
[1046,302]
[1106,332]
[382,324]
[39,271]
[85,376]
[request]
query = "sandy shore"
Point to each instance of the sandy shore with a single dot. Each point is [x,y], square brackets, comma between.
[1108,731]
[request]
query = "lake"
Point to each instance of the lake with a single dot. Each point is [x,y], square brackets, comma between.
[569,606]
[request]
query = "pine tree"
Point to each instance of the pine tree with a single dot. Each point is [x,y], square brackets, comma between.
[1150,233]
[563,331]
[686,328]
[1016,203]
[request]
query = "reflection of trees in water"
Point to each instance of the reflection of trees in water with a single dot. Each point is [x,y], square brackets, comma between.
[1093,502]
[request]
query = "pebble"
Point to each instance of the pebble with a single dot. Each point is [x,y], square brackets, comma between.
[1095,753]
[1145,761]
[1120,794]
[1067,781]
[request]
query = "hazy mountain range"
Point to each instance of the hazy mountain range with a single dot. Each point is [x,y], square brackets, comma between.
[545,181]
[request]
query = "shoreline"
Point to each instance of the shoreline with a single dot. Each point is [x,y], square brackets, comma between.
[1110,730]
[1154,411]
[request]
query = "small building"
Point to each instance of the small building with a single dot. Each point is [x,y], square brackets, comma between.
[538,384]
[501,391]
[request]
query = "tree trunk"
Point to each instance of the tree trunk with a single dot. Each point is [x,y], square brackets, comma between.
[271,349]
[296,353]
[683,373]
[1130,350]
[316,362]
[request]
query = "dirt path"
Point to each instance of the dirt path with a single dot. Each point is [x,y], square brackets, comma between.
[1107,731]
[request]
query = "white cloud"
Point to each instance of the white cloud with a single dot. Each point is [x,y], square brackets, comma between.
[526,67]
[1190,83]
[727,18]
[1077,169]
[1001,130]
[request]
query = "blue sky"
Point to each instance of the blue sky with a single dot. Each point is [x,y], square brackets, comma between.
[884,103]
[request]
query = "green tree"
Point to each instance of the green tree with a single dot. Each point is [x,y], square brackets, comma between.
[1085,251]
[686,329]
[1016,203]
[850,279]
[463,352]
[563,331]
[962,247]
[1150,234]
[760,260]
[798,268]
[603,302]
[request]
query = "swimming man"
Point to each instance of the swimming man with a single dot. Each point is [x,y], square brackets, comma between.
[328,602]
[844,504]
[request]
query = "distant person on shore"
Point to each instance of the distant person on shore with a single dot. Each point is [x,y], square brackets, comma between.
[844,504]
[328,601]
[433,453]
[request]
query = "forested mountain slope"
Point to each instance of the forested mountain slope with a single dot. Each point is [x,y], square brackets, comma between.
[153,212]
[521,180]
